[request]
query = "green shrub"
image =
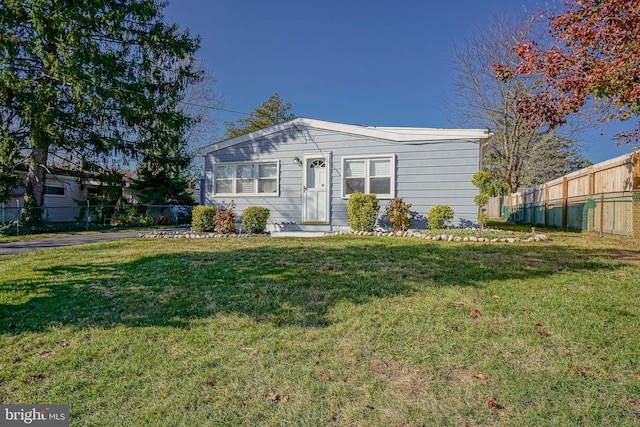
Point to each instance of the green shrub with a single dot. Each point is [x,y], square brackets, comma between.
[398,213]
[254,219]
[202,218]
[363,211]
[481,199]
[224,221]
[124,216]
[439,216]
[483,219]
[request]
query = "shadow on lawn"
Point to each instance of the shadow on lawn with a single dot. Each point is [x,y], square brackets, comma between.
[282,282]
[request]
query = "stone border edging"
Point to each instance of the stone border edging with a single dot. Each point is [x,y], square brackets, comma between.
[446,237]
[410,233]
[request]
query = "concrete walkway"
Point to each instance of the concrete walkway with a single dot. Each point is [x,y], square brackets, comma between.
[57,242]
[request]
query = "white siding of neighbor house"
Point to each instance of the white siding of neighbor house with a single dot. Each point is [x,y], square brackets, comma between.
[427,173]
[61,208]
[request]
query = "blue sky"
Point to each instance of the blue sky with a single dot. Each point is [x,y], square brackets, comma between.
[376,62]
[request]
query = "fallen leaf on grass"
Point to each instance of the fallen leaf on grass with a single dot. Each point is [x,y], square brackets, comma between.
[493,404]
[525,311]
[211,383]
[274,397]
[637,374]
[325,377]
[45,353]
[543,333]
[256,296]
[606,359]
[582,372]
[370,407]
[636,404]
[65,344]
[539,325]
[37,377]
[285,398]
[475,312]
[567,351]
[481,377]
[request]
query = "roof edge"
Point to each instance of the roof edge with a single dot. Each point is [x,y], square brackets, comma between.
[397,134]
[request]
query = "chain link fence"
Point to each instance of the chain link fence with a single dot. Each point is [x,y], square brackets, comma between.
[16,220]
[613,213]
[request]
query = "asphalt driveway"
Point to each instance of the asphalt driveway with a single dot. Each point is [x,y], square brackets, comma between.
[57,242]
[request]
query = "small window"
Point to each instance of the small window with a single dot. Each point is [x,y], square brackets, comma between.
[246,179]
[53,191]
[18,191]
[369,175]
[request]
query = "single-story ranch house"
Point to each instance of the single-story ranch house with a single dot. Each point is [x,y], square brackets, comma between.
[304,170]
[63,194]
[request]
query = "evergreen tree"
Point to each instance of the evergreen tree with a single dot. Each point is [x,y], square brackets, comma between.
[271,112]
[87,77]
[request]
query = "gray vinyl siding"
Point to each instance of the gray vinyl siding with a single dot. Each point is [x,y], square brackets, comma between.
[426,174]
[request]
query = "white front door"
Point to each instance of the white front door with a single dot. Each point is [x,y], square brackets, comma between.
[315,206]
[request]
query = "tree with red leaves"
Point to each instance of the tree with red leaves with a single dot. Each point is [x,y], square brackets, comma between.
[596,56]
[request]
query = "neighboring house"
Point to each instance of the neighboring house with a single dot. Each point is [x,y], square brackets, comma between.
[62,192]
[304,171]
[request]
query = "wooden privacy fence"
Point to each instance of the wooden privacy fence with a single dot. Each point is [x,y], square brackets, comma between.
[604,197]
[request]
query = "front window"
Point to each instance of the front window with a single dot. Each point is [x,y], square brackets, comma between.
[246,179]
[224,179]
[354,176]
[369,175]
[268,178]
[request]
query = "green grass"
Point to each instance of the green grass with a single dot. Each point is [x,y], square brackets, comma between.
[23,237]
[330,331]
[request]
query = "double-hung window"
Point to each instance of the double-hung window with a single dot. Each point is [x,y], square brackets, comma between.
[369,175]
[246,179]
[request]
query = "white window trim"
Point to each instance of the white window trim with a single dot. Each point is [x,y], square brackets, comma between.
[255,194]
[390,157]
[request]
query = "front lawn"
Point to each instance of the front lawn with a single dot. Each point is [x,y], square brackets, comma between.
[331,331]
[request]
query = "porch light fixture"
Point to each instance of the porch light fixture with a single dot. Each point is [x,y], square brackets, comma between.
[297,161]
